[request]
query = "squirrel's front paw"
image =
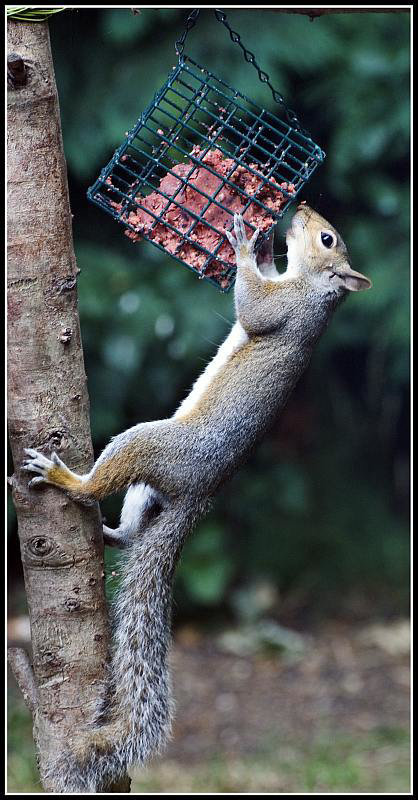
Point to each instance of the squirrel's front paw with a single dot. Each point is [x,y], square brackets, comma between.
[40,464]
[244,248]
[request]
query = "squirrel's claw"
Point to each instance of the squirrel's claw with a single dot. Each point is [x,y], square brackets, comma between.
[35,482]
[239,229]
[254,238]
[38,463]
[231,238]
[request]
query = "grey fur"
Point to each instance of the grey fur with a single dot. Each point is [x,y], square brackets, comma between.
[182,462]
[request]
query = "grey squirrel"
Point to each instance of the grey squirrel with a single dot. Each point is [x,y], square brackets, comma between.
[174,466]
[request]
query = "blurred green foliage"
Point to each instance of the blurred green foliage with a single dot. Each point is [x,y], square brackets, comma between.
[322,507]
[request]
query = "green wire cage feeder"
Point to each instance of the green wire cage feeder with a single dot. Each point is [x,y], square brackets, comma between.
[200,152]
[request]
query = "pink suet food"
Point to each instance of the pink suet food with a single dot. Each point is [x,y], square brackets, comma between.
[214,194]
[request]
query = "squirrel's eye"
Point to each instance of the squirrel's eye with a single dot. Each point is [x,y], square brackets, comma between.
[327,239]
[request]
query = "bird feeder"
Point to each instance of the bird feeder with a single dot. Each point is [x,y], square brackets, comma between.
[200,152]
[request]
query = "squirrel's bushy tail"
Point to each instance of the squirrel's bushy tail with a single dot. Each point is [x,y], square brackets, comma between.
[138,713]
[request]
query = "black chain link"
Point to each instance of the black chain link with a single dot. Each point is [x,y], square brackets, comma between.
[249,57]
[264,78]
[190,22]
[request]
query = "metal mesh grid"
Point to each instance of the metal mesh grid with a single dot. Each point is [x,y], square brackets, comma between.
[200,152]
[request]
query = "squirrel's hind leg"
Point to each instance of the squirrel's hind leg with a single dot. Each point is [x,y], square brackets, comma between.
[152,453]
[113,537]
[130,457]
[141,503]
[53,471]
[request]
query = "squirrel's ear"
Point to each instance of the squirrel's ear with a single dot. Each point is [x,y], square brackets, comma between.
[352,280]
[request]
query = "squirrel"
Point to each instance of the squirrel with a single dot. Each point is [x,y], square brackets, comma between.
[174,466]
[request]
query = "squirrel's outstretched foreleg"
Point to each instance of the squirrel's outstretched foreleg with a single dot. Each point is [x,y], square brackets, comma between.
[258,284]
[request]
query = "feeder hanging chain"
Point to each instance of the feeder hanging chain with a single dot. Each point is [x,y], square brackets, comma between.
[190,22]
[264,78]
[249,57]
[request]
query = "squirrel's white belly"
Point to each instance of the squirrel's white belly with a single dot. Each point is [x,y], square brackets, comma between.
[140,496]
[234,341]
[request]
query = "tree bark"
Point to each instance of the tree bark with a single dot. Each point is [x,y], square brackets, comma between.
[48,409]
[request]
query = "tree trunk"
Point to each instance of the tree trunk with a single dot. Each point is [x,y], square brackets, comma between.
[48,409]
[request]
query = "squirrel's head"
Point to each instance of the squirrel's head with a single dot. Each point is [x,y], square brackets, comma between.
[317,252]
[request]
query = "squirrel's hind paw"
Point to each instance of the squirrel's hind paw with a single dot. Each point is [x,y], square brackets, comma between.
[38,463]
[115,538]
[46,468]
